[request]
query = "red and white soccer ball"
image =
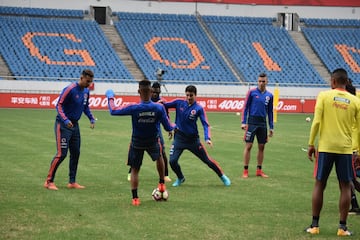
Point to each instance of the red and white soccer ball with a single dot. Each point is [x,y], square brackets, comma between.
[159,196]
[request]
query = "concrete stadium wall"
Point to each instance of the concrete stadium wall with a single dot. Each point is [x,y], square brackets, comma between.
[251,10]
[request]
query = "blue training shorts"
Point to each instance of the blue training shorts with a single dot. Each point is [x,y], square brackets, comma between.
[343,166]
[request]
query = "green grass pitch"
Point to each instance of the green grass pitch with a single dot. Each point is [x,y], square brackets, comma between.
[202,208]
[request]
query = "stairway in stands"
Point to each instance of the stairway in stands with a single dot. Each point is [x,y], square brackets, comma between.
[123,53]
[4,70]
[309,53]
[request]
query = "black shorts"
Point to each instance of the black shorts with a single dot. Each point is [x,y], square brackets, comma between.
[254,130]
[136,154]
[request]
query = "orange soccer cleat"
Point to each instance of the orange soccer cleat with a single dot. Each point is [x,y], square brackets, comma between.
[135,201]
[161,187]
[50,186]
[245,173]
[260,173]
[75,185]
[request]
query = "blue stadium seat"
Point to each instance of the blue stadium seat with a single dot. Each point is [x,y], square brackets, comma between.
[43,12]
[51,38]
[325,22]
[337,48]
[238,41]
[173,40]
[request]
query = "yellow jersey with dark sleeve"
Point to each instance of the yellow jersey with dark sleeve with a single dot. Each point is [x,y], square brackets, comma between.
[336,113]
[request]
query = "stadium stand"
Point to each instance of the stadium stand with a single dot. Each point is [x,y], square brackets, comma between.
[41,12]
[256,46]
[58,48]
[56,43]
[157,41]
[336,46]
[325,22]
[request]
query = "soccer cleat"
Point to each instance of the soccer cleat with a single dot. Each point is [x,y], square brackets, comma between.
[75,185]
[260,173]
[129,177]
[245,173]
[135,201]
[50,186]
[178,182]
[354,211]
[312,230]
[167,179]
[344,232]
[161,187]
[225,180]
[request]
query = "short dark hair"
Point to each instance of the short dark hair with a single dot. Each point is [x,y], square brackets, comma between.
[262,74]
[144,83]
[156,85]
[191,88]
[340,75]
[87,72]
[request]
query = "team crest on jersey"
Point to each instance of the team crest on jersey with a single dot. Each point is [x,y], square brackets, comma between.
[267,99]
[192,114]
[85,98]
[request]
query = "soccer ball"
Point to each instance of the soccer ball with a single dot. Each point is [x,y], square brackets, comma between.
[159,196]
[165,195]
[308,119]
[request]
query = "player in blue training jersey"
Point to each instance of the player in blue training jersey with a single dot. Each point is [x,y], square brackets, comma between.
[258,107]
[187,135]
[146,118]
[155,97]
[73,101]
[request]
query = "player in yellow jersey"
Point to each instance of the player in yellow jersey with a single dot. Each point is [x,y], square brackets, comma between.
[336,112]
[354,205]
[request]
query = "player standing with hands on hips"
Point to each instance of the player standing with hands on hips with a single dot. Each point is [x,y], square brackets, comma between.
[258,107]
[146,118]
[73,101]
[187,135]
[336,112]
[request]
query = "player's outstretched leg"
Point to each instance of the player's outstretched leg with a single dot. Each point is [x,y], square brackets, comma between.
[225,180]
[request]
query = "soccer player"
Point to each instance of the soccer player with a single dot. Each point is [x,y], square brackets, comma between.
[187,136]
[155,97]
[258,106]
[336,112]
[355,157]
[73,101]
[146,118]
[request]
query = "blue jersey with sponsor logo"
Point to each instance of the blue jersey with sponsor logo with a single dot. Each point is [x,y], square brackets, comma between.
[73,101]
[186,117]
[146,118]
[258,106]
